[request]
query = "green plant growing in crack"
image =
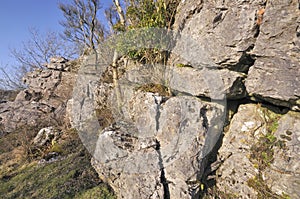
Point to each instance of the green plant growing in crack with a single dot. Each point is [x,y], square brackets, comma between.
[263,190]
[181,65]
[262,155]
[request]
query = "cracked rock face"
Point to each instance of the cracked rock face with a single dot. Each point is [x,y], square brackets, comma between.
[225,30]
[259,38]
[275,75]
[160,153]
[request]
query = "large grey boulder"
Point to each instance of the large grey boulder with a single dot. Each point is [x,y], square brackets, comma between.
[161,149]
[216,33]
[214,84]
[261,154]
[275,75]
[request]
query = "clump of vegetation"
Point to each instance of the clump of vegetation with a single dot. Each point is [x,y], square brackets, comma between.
[263,190]
[97,192]
[262,152]
[154,88]
[181,65]
[262,155]
[214,193]
[141,19]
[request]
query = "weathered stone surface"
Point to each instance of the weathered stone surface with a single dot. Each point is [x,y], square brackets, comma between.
[15,115]
[161,151]
[208,83]
[58,63]
[42,80]
[216,33]
[132,170]
[283,176]
[45,135]
[250,165]
[275,75]
[60,60]
[188,130]
[244,130]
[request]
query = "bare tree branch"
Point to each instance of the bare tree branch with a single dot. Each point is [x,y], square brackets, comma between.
[81,23]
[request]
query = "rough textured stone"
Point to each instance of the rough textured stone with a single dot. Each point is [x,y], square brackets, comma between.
[43,80]
[252,127]
[133,171]
[252,42]
[213,84]
[188,131]
[43,103]
[45,135]
[284,176]
[216,33]
[58,60]
[205,83]
[15,115]
[58,63]
[275,75]
[245,128]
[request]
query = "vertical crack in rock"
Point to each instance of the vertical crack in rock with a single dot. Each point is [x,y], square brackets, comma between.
[163,178]
[157,115]
[203,111]
[259,19]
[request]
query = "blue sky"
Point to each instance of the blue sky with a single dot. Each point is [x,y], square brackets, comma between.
[17,16]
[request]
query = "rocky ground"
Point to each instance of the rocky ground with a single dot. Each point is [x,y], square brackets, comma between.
[40,156]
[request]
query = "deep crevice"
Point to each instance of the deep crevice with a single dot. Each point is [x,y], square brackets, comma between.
[189,15]
[203,111]
[157,116]
[245,62]
[213,160]
[163,179]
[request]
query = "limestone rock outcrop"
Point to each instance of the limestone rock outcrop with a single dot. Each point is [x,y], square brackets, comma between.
[153,132]
[41,104]
[259,38]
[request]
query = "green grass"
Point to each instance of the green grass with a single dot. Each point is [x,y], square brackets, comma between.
[70,177]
